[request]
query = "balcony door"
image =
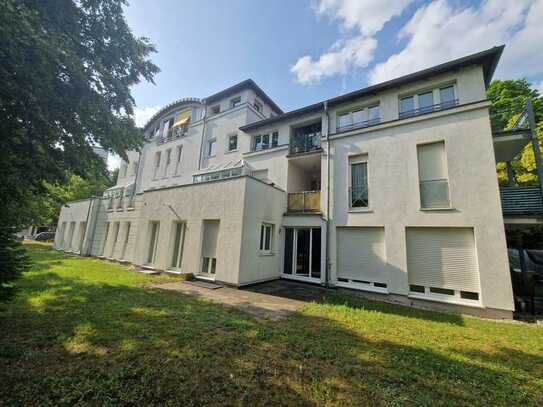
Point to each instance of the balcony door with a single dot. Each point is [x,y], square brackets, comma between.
[302,255]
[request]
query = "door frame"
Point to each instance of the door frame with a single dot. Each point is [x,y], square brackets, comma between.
[293,275]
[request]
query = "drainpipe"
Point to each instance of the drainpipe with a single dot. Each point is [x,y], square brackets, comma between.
[326,271]
[203,136]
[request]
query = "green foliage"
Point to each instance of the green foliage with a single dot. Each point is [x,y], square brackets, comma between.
[66,69]
[508,99]
[13,259]
[87,332]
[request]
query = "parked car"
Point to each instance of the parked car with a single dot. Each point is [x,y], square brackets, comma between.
[45,236]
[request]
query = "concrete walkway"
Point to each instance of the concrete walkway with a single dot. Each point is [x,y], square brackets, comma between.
[273,300]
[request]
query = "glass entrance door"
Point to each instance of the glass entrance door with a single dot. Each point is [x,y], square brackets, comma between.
[302,256]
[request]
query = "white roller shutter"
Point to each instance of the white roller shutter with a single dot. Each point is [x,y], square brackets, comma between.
[361,254]
[442,258]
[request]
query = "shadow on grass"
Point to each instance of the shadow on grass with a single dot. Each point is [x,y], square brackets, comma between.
[66,340]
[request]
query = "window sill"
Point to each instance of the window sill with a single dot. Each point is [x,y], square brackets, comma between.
[360,210]
[449,208]
[130,209]
[266,254]
[232,151]
[212,156]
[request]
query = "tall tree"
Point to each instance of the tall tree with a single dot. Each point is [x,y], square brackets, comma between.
[508,99]
[66,69]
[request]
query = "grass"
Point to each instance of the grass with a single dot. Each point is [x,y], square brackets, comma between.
[82,331]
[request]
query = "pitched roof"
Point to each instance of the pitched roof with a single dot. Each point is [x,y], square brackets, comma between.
[488,59]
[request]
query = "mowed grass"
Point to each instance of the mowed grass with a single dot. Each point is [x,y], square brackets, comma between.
[82,331]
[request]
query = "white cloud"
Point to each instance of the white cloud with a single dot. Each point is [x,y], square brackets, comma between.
[439,32]
[366,17]
[357,51]
[539,87]
[142,116]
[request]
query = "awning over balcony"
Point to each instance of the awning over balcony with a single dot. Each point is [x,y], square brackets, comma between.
[509,143]
[182,118]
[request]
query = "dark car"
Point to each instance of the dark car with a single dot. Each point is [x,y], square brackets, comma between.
[45,236]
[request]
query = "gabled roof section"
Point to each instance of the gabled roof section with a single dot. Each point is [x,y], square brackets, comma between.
[248,83]
[488,59]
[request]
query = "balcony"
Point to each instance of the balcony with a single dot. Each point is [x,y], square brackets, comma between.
[304,202]
[429,109]
[521,201]
[305,139]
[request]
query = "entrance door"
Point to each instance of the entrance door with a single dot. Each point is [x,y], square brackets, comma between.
[302,260]
[209,249]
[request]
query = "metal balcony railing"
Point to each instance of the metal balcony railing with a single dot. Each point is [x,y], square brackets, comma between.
[305,201]
[521,200]
[429,109]
[358,125]
[305,144]
[358,197]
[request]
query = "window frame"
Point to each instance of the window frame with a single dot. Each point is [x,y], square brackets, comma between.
[354,160]
[212,147]
[258,106]
[235,102]
[365,109]
[215,109]
[167,162]
[438,105]
[446,171]
[266,237]
[228,146]
[179,154]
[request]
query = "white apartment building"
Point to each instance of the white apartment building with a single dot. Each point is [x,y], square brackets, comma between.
[390,190]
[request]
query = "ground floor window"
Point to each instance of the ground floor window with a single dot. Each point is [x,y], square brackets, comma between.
[302,256]
[266,237]
[125,242]
[153,242]
[209,246]
[178,241]
[209,265]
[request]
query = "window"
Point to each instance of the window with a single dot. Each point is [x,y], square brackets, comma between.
[157,164]
[235,102]
[179,237]
[167,130]
[428,101]
[215,109]
[275,139]
[168,161]
[153,242]
[359,183]
[179,152]
[434,184]
[233,142]
[266,237]
[126,237]
[261,142]
[211,148]
[407,106]
[257,105]
[446,97]
[359,117]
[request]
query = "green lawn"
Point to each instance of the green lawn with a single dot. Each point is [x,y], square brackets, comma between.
[81,331]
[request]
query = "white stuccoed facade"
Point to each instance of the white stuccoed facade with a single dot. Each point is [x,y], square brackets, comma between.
[240,213]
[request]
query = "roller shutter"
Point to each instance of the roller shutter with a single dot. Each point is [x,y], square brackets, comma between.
[361,254]
[442,258]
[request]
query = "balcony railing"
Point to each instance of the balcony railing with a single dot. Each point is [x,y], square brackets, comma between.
[429,109]
[358,125]
[173,134]
[306,201]
[305,144]
[521,200]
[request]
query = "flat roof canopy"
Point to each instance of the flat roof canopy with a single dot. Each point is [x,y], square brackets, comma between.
[509,143]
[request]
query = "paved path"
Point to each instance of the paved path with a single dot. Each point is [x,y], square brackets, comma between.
[274,300]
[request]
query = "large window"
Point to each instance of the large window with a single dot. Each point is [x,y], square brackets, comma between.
[266,238]
[179,237]
[428,101]
[434,184]
[262,141]
[359,196]
[179,152]
[153,242]
[359,117]
[168,162]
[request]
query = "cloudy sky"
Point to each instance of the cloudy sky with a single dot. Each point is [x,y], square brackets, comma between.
[301,52]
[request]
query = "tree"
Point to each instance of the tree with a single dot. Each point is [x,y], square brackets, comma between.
[66,69]
[508,98]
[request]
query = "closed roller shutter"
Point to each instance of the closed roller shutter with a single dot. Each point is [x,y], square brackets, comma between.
[211,233]
[442,258]
[361,254]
